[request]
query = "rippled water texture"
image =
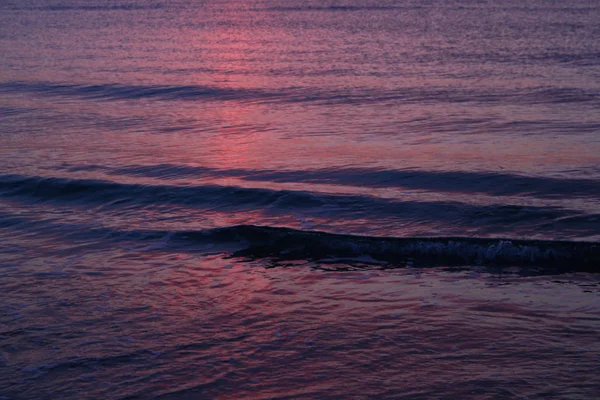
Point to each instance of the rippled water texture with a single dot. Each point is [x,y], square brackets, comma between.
[396,119]
[299,199]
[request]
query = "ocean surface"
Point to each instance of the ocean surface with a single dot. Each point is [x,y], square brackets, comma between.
[284,199]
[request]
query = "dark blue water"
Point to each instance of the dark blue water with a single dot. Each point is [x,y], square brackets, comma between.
[283,199]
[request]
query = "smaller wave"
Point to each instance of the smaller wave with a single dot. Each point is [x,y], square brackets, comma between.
[341,8]
[560,96]
[134,92]
[492,183]
[277,202]
[105,7]
[87,363]
[406,95]
[10,111]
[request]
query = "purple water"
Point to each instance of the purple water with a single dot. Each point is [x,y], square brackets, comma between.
[282,199]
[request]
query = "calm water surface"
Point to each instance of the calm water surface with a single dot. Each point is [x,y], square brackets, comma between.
[285,199]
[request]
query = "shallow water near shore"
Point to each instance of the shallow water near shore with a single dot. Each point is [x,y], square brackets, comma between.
[268,199]
[153,323]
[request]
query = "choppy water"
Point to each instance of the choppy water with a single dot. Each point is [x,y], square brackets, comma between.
[283,199]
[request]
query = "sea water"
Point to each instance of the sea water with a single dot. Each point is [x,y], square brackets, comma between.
[299,199]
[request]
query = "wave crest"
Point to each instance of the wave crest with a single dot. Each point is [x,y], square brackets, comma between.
[290,244]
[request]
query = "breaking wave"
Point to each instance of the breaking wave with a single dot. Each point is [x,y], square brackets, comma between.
[251,242]
[286,243]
